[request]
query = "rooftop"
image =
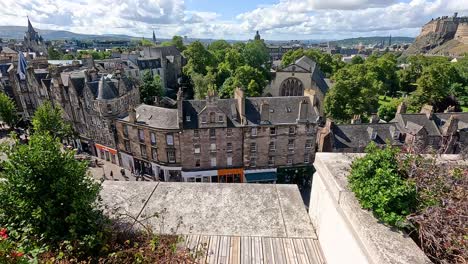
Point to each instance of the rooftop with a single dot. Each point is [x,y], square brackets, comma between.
[157,117]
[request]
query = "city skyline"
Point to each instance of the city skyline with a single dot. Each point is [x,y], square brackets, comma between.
[276,20]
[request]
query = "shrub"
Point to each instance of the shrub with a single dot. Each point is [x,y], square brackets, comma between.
[46,195]
[380,185]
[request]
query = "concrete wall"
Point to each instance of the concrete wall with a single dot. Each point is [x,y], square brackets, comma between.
[347,233]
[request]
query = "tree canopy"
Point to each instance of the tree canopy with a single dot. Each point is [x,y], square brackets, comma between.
[7,110]
[48,120]
[152,87]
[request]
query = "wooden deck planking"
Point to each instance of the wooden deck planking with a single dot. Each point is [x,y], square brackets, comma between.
[253,250]
[235,250]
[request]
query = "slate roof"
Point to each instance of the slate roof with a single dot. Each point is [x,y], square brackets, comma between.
[283,110]
[441,119]
[79,84]
[107,89]
[359,135]
[156,117]
[406,123]
[7,50]
[193,107]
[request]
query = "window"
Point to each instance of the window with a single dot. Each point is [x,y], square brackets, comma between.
[125,130]
[271,161]
[308,144]
[272,130]
[310,129]
[253,161]
[212,117]
[253,131]
[292,130]
[291,144]
[290,160]
[306,158]
[153,138]
[196,133]
[127,145]
[220,118]
[212,133]
[272,146]
[213,161]
[187,118]
[197,163]
[109,108]
[213,147]
[229,132]
[141,135]
[143,151]
[196,149]
[253,147]
[229,147]
[229,161]
[171,156]
[154,154]
[169,139]
[203,119]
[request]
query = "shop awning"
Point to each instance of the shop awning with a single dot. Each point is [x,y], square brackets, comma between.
[261,176]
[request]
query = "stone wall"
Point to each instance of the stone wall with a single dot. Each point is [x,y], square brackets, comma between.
[347,233]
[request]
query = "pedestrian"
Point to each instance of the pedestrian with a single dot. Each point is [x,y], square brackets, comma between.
[112,174]
[122,171]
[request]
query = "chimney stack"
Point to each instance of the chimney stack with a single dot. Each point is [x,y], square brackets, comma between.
[303,111]
[132,115]
[401,108]
[356,119]
[240,98]
[264,112]
[428,110]
[451,126]
[374,119]
[180,100]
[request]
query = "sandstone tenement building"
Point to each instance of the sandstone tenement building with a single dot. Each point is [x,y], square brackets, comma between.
[220,140]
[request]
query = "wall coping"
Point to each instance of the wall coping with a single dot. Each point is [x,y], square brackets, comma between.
[380,243]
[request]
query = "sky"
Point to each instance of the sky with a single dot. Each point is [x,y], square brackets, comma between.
[232,19]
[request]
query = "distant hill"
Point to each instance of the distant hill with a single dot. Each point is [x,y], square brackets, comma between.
[17,32]
[371,41]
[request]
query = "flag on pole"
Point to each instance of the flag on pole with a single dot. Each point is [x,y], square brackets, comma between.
[22,64]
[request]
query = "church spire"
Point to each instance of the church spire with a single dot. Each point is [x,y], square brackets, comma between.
[257,36]
[154,37]
[30,27]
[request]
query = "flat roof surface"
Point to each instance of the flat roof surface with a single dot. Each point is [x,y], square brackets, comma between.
[227,209]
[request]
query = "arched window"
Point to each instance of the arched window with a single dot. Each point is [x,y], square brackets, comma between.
[292,87]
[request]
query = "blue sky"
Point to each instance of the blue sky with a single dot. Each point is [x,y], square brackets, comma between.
[233,19]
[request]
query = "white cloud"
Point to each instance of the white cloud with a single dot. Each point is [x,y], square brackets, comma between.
[287,19]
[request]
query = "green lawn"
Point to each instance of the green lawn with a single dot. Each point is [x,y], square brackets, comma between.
[465,108]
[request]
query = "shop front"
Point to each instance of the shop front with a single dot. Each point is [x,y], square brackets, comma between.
[231,175]
[199,176]
[261,176]
[107,153]
[127,161]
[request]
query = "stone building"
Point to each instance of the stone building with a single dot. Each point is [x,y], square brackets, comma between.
[421,132]
[298,79]
[221,140]
[33,42]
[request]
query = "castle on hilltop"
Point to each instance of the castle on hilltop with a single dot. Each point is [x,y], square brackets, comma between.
[454,27]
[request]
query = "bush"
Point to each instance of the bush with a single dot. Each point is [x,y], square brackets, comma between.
[381,186]
[47,197]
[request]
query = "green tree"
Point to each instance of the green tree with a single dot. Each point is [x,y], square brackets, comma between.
[247,77]
[178,42]
[146,43]
[434,84]
[198,59]
[357,60]
[152,87]
[202,83]
[381,186]
[48,120]
[8,110]
[47,195]
[54,54]
[388,110]
[218,48]
[68,57]
[255,54]
[385,67]
[355,92]
[291,56]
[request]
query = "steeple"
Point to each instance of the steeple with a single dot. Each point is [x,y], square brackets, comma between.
[30,27]
[154,37]
[390,41]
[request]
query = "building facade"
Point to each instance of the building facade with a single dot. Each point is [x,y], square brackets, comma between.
[221,140]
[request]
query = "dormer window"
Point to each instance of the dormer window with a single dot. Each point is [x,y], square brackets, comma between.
[220,118]
[212,117]
[203,119]
[187,118]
